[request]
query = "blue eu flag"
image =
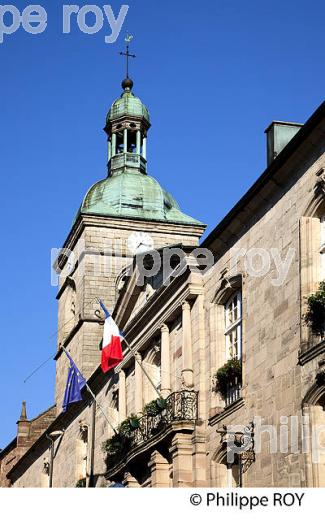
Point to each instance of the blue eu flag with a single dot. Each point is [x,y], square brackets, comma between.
[75,384]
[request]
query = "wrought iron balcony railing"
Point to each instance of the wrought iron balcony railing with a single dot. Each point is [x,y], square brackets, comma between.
[180,406]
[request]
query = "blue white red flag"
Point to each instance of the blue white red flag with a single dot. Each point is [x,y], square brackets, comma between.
[112,353]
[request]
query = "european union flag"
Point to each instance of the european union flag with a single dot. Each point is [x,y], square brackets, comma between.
[75,384]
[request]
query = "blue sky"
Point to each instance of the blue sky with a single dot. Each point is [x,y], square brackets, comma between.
[214,74]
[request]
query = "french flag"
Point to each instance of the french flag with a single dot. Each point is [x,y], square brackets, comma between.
[112,353]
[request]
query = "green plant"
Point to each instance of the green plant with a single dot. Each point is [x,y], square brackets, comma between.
[155,407]
[116,448]
[315,315]
[114,445]
[126,427]
[229,374]
[81,483]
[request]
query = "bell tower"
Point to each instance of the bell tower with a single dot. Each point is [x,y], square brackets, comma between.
[127,203]
[126,127]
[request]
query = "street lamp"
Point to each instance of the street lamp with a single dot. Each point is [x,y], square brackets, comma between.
[52,437]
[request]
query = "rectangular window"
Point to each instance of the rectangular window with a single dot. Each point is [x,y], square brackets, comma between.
[233,326]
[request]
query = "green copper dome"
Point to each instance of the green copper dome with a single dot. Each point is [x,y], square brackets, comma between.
[127,105]
[128,192]
[133,195]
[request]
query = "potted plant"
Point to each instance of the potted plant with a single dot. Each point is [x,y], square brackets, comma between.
[315,315]
[81,483]
[228,375]
[155,407]
[126,427]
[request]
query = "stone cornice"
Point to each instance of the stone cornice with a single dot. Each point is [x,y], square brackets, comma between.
[311,353]
[89,220]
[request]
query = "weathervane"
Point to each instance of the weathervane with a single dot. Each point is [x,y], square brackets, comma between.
[127,40]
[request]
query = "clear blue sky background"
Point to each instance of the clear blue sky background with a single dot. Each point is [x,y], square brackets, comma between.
[213,74]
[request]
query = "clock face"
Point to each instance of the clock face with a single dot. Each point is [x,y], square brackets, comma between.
[140,242]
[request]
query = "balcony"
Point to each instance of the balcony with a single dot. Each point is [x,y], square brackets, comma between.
[179,407]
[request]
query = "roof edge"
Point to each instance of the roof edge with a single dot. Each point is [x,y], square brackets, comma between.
[276,164]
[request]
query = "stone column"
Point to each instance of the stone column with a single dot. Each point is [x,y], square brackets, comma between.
[113,145]
[165,362]
[187,354]
[125,140]
[121,397]
[159,468]
[109,150]
[138,383]
[181,452]
[138,142]
[144,148]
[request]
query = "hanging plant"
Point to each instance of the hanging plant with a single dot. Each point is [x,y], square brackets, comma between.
[315,315]
[155,407]
[228,375]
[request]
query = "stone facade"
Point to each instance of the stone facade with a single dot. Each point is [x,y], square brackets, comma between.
[268,252]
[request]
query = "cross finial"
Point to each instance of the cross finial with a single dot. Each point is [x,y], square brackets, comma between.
[127,40]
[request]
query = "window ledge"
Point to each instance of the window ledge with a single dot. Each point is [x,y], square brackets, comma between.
[229,410]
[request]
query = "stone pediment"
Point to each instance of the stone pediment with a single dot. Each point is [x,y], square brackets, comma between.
[136,289]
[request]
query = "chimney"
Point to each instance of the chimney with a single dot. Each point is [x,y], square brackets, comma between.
[23,427]
[278,135]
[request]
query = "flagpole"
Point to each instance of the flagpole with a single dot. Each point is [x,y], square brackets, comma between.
[142,368]
[94,397]
[140,364]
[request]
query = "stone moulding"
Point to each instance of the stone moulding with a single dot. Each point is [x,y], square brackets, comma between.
[311,352]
